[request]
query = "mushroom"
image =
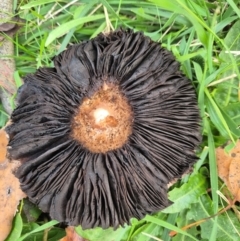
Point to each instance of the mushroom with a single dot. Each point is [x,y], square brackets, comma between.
[102,133]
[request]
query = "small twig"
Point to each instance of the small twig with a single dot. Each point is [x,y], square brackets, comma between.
[52,15]
[168,29]
[230,205]
[95,9]
[233,207]
[222,80]
[236,53]
[151,236]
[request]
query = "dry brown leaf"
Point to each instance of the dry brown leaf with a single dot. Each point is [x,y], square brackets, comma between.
[3,147]
[71,235]
[234,175]
[229,169]
[10,192]
[223,163]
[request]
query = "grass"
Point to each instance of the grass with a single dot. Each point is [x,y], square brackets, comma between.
[204,37]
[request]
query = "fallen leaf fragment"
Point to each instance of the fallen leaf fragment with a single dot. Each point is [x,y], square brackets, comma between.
[229,169]
[3,147]
[71,235]
[10,192]
[223,163]
[234,175]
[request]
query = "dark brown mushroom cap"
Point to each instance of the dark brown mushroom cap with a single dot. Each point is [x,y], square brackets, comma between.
[78,186]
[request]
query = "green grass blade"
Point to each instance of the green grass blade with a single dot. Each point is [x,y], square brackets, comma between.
[38,3]
[66,27]
[234,7]
[168,226]
[217,117]
[41,228]
[17,228]
[213,177]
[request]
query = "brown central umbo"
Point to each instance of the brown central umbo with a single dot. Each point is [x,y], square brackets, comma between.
[104,121]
